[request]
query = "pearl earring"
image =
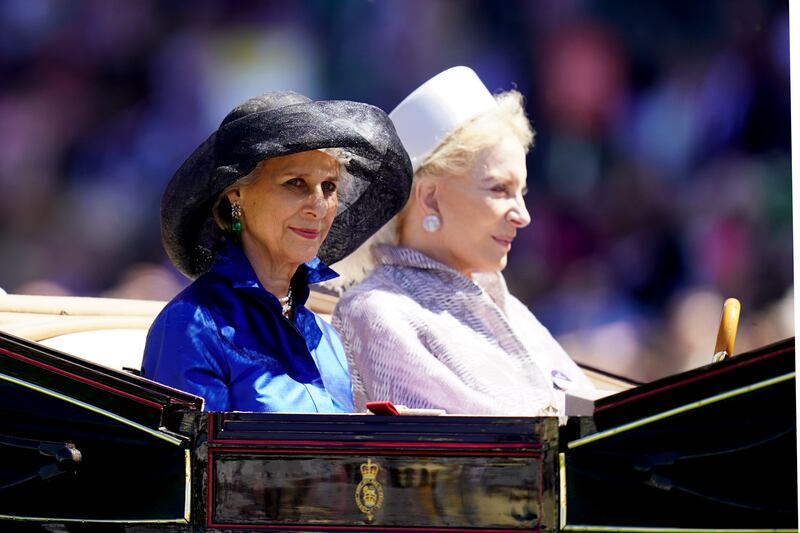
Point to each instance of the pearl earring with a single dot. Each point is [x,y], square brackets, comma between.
[431,223]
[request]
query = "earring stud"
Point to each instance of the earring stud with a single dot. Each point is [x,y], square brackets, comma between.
[431,223]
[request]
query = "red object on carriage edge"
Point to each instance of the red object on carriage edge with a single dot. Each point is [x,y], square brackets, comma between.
[382,408]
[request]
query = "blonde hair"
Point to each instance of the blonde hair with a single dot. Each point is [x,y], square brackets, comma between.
[453,155]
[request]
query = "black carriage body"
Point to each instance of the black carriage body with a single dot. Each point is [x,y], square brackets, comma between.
[84,446]
[711,449]
[381,473]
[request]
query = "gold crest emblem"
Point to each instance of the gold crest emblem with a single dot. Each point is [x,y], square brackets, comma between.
[369,492]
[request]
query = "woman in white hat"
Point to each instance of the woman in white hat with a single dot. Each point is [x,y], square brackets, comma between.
[433,324]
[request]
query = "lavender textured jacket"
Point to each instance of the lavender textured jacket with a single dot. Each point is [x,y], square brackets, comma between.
[423,335]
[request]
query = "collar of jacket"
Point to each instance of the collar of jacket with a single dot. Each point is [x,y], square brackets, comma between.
[234,265]
[388,254]
[492,283]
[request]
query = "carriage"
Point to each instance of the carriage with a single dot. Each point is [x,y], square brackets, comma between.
[88,445]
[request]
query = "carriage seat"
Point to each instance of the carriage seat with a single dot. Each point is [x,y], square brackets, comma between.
[106,331]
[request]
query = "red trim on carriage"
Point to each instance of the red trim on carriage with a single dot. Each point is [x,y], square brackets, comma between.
[734,365]
[354,451]
[81,379]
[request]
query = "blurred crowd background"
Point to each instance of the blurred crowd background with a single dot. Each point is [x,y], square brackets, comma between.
[659,184]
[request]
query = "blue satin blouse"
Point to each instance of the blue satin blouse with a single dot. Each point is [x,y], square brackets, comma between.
[224,338]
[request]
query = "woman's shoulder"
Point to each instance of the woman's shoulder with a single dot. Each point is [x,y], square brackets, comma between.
[521,310]
[378,295]
[193,303]
[378,284]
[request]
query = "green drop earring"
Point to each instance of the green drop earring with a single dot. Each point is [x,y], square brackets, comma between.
[236,214]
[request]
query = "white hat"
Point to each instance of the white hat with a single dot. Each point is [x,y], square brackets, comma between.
[438,107]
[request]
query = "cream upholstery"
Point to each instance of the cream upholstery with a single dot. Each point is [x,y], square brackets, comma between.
[106,331]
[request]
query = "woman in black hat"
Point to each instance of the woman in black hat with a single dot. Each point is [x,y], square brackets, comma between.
[284,186]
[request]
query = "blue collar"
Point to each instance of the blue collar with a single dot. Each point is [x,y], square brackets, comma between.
[232,264]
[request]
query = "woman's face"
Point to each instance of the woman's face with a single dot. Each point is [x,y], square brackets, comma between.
[288,210]
[482,209]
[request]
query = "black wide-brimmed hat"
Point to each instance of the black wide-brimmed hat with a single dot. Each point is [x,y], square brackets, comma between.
[276,124]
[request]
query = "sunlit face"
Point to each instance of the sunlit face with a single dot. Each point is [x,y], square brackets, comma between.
[288,210]
[482,209]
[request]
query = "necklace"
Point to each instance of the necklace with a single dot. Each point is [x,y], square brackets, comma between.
[286,303]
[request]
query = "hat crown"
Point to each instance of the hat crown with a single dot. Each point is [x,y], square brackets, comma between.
[437,108]
[264,102]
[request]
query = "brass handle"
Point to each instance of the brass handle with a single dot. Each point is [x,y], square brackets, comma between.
[728,325]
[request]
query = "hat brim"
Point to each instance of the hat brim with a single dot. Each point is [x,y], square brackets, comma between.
[378,164]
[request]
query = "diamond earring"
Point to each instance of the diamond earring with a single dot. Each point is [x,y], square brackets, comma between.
[431,223]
